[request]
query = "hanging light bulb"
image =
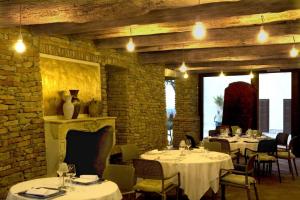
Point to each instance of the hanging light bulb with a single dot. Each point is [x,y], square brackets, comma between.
[262,36]
[199,30]
[185,75]
[294,51]
[221,74]
[19,45]
[251,75]
[183,67]
[130,45]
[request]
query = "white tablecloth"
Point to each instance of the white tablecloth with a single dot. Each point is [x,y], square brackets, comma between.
[198,171]
[106,190]
[243,143]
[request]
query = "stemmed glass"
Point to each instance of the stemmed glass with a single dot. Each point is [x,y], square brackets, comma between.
[188,143]
[71,173]
[62,171]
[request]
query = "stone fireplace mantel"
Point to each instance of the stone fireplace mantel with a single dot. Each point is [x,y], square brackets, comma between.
[56,131]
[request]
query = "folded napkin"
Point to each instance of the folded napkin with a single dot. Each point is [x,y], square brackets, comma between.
[41,191]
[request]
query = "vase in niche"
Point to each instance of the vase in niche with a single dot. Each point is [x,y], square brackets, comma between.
[76,103]
[68,107]
[95,108]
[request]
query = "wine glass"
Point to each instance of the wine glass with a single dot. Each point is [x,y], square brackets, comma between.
[188,143]
[62,171]
[71,171]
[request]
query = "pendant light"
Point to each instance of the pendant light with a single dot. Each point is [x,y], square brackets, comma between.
[19,45]
[199,30]
[130,45]
[183,68]
[221,74]
[185,75]
[294,51]
[251,75]
[262,35]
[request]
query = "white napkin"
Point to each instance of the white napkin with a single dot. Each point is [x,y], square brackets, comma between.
[41,191]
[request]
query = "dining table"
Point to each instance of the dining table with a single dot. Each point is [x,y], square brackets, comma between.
[242,142]
[104,190]
[199,168]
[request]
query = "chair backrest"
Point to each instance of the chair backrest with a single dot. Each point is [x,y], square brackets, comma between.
[213,133]
[234,129]
[122,175]
[148,169]
[225,146]
[129,152]
[212,146]
[89,151]
[193,141]
[250,164]
[282,139]
[267,146]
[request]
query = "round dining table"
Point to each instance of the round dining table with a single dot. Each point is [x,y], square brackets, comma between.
[199,169]
[106,190]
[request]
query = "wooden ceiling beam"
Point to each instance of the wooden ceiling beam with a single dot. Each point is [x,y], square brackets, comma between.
[238,36]
[227,14]
[82,11]
[217,54]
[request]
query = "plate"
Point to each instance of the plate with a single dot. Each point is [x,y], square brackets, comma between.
[86,181]
[42,193]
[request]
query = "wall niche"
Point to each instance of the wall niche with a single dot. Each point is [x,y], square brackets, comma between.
[63,74]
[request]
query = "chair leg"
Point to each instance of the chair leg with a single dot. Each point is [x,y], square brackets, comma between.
[278,170]
[258,171]
[177,193]
[291,168]
[222,192]
[256,193]
[164,196]
[294,160]
[248,193]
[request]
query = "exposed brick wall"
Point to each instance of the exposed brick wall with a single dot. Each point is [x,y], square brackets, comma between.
[187,118]
[141,108]
[22,146]
[147,107]
[118,101]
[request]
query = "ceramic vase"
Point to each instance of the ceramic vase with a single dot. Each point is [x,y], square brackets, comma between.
[76,103]
[68,108]
[95,108]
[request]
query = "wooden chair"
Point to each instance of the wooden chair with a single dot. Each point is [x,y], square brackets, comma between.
[123,176]
[285,152]
[225,148]
[129,152]
[212,146]
[267,154]
[192,139]
[239,179]
[153,179]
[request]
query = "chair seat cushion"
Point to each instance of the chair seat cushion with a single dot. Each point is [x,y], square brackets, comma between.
[237,179]
[233,156]
[266,157]
[285,155]
[149,185]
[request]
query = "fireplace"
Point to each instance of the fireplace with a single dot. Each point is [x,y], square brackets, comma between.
[56,131]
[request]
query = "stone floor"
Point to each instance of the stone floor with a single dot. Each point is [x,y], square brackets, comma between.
[268,189]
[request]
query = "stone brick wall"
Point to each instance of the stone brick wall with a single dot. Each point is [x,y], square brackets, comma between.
[140,107]
[118,102]
[186,99]
[147,107]
[22,145]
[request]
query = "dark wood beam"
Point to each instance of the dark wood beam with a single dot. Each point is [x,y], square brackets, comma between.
[281,33]
[217,54]
[227,14]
